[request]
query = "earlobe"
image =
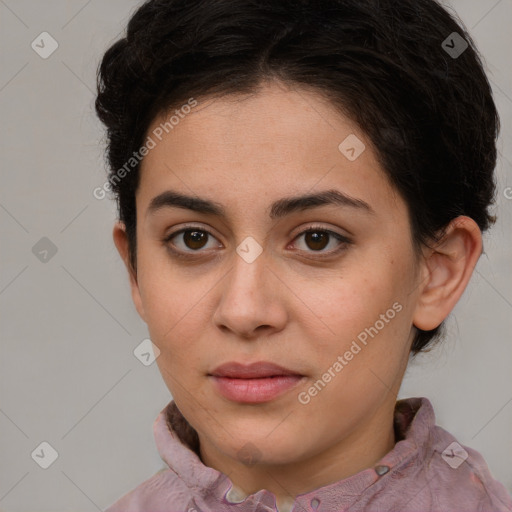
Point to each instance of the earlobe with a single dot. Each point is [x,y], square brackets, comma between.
[122,245]
[448,268]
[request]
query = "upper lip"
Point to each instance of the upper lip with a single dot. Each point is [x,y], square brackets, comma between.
[259,369]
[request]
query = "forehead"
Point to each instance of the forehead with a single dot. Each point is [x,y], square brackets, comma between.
[278,142]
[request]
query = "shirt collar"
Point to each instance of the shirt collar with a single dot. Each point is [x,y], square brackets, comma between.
[178,445]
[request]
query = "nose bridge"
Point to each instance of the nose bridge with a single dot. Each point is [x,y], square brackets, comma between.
[248,298]
[249,266]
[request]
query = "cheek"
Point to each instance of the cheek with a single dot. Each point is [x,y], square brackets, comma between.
[165,294]
[362,358]
[177,306]
[365,303]
[345,305]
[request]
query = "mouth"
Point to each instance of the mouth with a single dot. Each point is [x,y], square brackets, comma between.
[255,383]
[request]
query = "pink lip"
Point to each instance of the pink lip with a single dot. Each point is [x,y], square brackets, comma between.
[255,383]
[250,371]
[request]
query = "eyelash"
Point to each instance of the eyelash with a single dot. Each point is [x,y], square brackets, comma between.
[344,241]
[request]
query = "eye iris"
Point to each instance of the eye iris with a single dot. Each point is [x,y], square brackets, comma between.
[316,240]
[195,239]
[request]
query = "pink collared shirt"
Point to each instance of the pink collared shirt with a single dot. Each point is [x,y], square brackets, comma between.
[427,470]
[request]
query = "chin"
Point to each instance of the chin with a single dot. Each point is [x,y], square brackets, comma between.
[255,449]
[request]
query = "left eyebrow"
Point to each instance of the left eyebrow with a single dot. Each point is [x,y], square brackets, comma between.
[279,209]
[285,206]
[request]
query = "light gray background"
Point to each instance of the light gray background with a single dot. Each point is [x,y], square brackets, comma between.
[68,327]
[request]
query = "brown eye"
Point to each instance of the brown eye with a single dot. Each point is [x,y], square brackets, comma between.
[195,239]
[316,240]
[190,241]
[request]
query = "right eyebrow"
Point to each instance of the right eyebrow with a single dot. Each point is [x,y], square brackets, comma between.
[170,199]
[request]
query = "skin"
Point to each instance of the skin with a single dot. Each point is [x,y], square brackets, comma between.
[288,306]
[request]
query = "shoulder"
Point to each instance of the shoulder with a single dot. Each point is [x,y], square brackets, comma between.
[456,477]
[432,470]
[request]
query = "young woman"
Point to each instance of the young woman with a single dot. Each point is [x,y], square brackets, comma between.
[302,189]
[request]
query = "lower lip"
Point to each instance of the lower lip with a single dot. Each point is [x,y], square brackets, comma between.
[255,391]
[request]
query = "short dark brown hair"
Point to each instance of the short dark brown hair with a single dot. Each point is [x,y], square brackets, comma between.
[386,64]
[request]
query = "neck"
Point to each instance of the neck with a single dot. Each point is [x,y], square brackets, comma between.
[359,450]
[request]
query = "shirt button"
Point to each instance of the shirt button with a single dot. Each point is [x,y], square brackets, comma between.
[381,470]
[314,503]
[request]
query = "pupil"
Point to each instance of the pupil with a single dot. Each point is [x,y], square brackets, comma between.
[316,240]
[195,239]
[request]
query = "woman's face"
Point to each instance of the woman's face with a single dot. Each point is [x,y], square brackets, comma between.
[246,283]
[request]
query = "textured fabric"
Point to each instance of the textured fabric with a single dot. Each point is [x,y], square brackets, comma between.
[427,470]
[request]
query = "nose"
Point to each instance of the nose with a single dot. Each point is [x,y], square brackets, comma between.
[252,301]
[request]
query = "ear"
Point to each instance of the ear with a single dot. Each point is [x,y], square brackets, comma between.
[446,271]
[121,242]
